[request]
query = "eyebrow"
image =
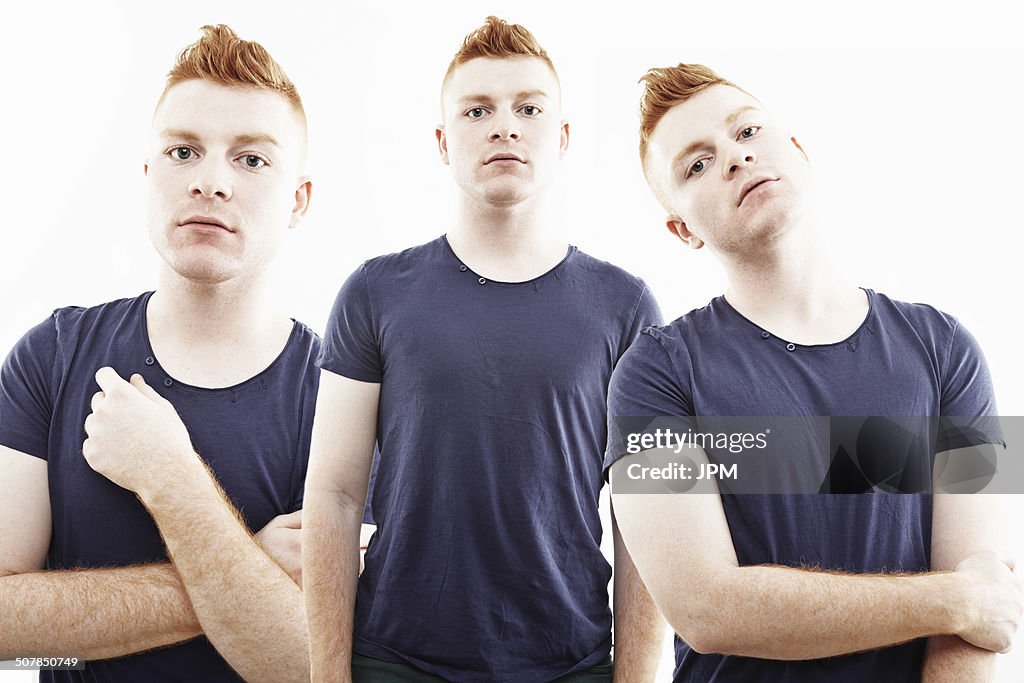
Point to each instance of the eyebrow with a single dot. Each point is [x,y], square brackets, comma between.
[697,144]
[522,95]
[244,139]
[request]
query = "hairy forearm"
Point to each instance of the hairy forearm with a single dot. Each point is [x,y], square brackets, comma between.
[330,572]
[792,614]
[94,613]
[639,627]
[249,608]
[950,659]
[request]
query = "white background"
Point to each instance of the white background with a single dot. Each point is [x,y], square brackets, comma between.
[911,117]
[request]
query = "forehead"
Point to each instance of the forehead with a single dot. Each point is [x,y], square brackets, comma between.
[707,113]
[212,109]
[500,78]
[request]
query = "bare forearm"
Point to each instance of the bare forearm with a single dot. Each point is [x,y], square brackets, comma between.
[94,613]
[794,614]
[949,659]
[640,629]
[330,572]
[249,608]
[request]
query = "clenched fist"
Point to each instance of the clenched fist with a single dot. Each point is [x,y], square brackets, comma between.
[135,437]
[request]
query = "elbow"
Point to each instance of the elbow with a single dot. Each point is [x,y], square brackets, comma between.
[707,623]
[703,637]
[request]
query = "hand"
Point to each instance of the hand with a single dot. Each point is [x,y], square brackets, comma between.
[135,437]
[281,539]
[995,601]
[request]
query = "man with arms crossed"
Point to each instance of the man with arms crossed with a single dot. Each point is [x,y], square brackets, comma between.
[781,587]
[224,184]
[479,363]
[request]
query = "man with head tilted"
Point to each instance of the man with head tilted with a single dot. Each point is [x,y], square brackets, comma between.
[478,363]
[800,586]
[170,425]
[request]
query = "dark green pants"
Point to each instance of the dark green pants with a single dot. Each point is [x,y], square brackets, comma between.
[369,670]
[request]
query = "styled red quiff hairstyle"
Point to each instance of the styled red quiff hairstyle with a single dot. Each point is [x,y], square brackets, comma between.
[498,38]
[220,56]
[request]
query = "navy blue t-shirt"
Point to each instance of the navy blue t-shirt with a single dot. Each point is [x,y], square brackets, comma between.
[254,436]
[486,562]
[903,360]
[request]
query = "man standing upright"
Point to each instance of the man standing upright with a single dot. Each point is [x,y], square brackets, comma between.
[478,363]
[224,179]
[802,586]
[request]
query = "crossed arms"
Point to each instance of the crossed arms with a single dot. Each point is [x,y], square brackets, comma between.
[680,542]
[252,615]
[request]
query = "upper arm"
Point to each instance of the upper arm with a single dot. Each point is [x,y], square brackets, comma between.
[344,433]
[966,523]
[679,542]
[24,512]
[963,524]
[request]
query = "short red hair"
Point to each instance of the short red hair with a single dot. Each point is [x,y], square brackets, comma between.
[498,38]
[220,56]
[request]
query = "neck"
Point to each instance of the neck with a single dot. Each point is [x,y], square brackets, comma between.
[791,288]
[506,242]
[203,313]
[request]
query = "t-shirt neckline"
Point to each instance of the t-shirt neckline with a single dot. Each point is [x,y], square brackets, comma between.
[261,375]
[850,339]
[569,253]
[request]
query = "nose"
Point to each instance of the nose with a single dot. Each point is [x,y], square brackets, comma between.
[210,181]
[744,156]
[504,128]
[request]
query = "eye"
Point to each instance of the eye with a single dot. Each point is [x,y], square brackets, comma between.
[749,132]
[699,166]
[476,113]
[530,110]
[181,153]
[253,161]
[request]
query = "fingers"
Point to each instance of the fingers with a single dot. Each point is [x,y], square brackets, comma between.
[108,379]
[139,382]
[292,520]
[97,398]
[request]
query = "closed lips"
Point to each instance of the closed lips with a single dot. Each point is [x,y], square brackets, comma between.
[206,220]
[752,185]
[504,157]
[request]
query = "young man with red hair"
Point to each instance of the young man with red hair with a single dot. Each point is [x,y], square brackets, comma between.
[224,180]
[802,586]
[478,364]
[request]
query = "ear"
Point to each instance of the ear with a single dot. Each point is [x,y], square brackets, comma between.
[563,145]
[677,227]
[303,194]
[442,143]
[797,144]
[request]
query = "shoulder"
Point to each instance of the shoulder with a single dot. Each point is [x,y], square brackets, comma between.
[692,327]
[407,260]
[606,274]
[923,317]
[71,323]
[907,324]
[305,341]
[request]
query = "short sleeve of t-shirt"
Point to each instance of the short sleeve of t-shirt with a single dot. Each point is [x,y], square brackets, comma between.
[26,390]
[967,401]
[648,314]
[644,385]
[350,346]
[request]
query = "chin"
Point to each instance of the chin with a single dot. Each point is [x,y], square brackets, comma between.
[206,271]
